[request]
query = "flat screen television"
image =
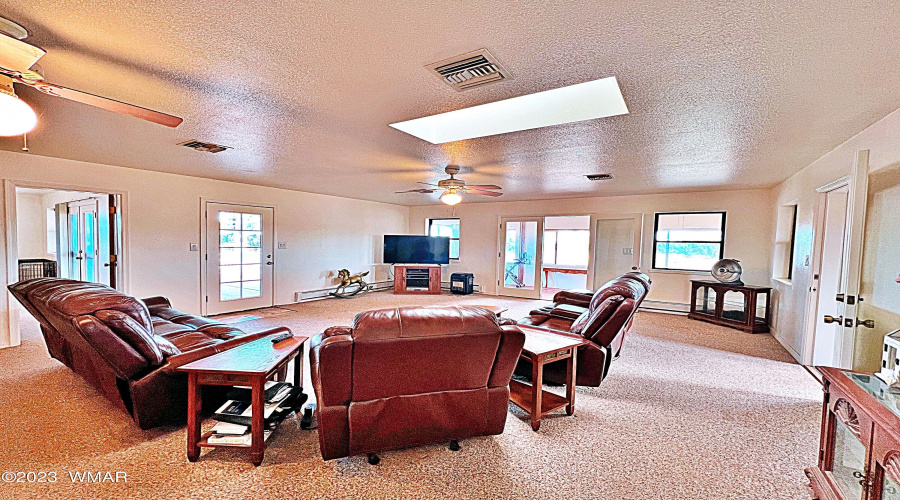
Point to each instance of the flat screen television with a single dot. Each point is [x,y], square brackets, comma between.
[402,249]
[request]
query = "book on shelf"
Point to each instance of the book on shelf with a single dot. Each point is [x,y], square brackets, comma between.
[237,440]
[275,391]
[229,429]
[241,411]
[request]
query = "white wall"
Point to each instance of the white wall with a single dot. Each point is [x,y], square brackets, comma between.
[163,214]
[32,227]
[882,139]
[748,232]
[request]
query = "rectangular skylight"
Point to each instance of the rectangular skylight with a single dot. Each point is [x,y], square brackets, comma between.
[584,101]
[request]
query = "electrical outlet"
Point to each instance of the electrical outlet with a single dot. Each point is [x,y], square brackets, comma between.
[195,247]
[282,245]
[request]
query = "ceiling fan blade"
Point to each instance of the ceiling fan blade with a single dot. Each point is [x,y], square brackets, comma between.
[105,103]
[423,191]
[483,186]
[486,193]
[16,55]
[428,184]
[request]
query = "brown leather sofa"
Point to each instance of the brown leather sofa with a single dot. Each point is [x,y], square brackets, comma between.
[603,322]
[126,348]
[409,376]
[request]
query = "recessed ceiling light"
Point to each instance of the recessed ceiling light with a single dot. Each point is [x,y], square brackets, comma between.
[584,101]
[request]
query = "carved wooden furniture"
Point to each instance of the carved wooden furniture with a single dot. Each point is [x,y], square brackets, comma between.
[251,365]
[417,279]
[859,451]
[542,347]
[728,304]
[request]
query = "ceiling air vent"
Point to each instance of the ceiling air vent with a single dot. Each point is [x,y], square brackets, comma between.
[599,177]
[205,146]
[470,70]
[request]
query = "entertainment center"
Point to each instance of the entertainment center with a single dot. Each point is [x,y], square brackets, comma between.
[417,279]
[417,262]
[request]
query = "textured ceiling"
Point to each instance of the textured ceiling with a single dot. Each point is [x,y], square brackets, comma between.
[722,94]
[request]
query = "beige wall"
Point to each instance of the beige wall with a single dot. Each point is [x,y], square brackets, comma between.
[748,233]
[163,213]
[882,139]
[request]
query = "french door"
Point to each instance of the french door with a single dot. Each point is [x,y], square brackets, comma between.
[80,233]
[239,257]
[520,257]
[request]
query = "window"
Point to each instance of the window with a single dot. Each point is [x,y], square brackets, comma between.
[449,228]
[688,241]
[566,247]
[785,232]
[51,231]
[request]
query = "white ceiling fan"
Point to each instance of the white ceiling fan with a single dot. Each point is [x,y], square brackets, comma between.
[452,188]
[17,60]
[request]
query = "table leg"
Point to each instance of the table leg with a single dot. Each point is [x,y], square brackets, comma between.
[257,421]
[537,391]
[298,369]
[570,382]
[193,425]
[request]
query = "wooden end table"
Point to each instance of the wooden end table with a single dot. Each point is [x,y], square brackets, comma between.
[251,364]
[542,347]
[497,310]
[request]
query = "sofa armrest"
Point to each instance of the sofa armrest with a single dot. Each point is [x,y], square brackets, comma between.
[156,303]
[173,362]
[576,297]
[567,311]
[508,352]
[330,359]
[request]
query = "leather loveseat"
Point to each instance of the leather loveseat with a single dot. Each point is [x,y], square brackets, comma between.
[126,348]
[603,321]
[412,375]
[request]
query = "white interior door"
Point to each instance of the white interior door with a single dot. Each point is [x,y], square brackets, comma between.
[617,247]
[520,257]
[239,257]
[831,281]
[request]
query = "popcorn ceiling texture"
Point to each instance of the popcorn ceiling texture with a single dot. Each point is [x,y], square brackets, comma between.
[722,94]
[690,411]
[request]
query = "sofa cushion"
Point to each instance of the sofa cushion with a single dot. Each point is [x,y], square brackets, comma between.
[597,315]
[137,336]
[167,348]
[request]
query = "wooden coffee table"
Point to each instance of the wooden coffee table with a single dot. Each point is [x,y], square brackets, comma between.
[251,364]
[542,347]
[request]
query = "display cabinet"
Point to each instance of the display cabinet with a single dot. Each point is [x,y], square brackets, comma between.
[744,307]
[859,450]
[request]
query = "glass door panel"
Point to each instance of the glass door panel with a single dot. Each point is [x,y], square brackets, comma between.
[890,490]
[849,462]
[706,300]
[734,306]
[520,257]
[75,258]
[240,257]
[89,220]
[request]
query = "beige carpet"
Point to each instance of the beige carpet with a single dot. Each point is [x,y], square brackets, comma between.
[690,411]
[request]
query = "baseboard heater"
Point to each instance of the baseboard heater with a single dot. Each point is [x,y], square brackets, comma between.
[663,306]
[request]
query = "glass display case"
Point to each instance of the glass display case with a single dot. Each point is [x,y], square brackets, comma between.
[744,307]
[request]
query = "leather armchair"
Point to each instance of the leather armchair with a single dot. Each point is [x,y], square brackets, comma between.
[126,348]
[604,323]
[412,375]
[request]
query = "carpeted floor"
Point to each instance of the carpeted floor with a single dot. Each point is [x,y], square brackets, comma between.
[690,411]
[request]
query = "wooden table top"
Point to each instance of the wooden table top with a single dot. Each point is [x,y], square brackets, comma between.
[538,341]
[253,358]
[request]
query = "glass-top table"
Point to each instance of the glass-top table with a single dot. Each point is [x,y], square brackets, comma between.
[888,396]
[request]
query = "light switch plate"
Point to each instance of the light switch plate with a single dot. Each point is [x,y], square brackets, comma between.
[628,251]
[195,247]
[282,245]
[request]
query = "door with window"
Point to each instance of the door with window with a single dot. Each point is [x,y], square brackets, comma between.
[81,242]
[520,257]
[617,246]
[239,257]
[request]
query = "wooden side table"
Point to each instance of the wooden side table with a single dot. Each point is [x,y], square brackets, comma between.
[542,347]
[251,364]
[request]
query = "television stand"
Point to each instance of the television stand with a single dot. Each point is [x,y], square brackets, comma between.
[423,279]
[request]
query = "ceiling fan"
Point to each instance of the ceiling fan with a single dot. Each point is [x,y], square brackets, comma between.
[17,65]
[452,188]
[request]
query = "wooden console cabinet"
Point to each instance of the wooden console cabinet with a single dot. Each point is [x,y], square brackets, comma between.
[744,307]
[417,279]
[859,450]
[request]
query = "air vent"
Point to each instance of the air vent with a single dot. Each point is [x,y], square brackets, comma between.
[474,69]
[599,177]
[205,146]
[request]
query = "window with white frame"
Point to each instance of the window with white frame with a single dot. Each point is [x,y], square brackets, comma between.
[449,228]
[785,233]
[51,231]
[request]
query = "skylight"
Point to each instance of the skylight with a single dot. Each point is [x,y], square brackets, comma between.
[584,101]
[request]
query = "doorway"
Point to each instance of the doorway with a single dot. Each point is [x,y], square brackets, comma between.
[617,247]
[827,341]
[566,253]
[68,234]
[239,257]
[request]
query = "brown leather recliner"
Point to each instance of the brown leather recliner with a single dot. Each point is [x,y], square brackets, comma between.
[603,323]
[413,375]
[126,348]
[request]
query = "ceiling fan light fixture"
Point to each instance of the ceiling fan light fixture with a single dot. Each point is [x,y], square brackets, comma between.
[16,116]
[451,197]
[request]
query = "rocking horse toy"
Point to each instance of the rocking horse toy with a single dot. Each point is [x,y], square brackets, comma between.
[347,280]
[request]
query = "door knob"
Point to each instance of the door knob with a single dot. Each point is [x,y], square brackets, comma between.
[634,268]
[869,323]
[268,263]
[832,319]
[839,297]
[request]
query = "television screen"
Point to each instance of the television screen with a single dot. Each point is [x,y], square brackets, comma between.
[399,249]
